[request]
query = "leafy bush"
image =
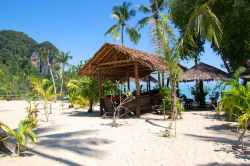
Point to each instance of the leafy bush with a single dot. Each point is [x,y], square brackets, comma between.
[235,101]
[165,94]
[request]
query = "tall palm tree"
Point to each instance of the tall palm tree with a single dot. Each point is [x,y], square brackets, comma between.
[202,22]
[122,14]
[45,56]
[154,12]
[63,59]
[45,92]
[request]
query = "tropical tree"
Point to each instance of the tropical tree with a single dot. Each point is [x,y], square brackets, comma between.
[154,12]
[235,101]
[162,35]
[63,59]
[87,87]
[45,56]
[24,130]
[46,93]
[202,22]
[234,47]
[122,14]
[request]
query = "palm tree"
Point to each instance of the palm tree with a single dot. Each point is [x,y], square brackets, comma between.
[87,87]
[45,93]
[154,12]
[45,56]
[202,23]
[122,14]
[235,101]
[63,58]
[24,130]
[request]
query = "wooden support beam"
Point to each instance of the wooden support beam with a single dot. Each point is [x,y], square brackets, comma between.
[149,82]
[128,81]
[114,62]
[162,79]
[138,104]
[159,79]
[100,92]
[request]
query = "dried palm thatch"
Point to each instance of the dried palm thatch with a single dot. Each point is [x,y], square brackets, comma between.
[117,62]
[204,72]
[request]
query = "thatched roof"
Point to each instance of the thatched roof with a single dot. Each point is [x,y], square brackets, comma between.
[204,72]
[117,62]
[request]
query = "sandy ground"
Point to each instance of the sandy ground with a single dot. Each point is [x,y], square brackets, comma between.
[74,137]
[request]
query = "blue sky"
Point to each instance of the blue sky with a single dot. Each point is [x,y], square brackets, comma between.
[77,26]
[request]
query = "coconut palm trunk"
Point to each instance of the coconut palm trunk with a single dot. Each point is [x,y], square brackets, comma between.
[90,106]
[240,139]
[53,79]
[61,89]
[122,34]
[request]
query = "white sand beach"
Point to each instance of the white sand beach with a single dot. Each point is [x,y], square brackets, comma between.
[74,137]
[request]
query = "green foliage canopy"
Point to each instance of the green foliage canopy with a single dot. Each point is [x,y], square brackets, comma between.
[235,20]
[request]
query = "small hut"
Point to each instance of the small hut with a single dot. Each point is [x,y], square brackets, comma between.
[115,62]
[203,72]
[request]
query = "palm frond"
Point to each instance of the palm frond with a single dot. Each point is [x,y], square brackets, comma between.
[143,22]
[133,33]
[145,9]
[114,31]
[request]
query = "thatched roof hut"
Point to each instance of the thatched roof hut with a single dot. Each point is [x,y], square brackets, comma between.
[117,62]
[204,72]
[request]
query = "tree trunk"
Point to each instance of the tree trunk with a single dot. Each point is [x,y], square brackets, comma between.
[53,79]
[240,139]
[50,108]
[6,145]
[122,35]
[225,64]
[90,106]
[62,80]
[174,100]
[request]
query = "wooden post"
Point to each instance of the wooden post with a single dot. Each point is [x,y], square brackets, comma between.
[100,92]
[162,79]
[149,82]
[128,81]
[138,104]
[159,79]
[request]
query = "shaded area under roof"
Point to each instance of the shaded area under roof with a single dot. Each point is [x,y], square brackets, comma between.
[204,72]
[116,62]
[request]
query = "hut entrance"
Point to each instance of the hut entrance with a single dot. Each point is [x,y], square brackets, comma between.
[114,62]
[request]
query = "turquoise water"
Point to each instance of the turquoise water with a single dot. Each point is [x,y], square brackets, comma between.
[185,88]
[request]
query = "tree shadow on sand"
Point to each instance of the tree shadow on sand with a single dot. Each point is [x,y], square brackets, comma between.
[216,116]
[223,140]
[78,113]
[73,142]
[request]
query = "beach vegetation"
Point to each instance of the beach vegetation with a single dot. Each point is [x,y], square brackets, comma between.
[235,102]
